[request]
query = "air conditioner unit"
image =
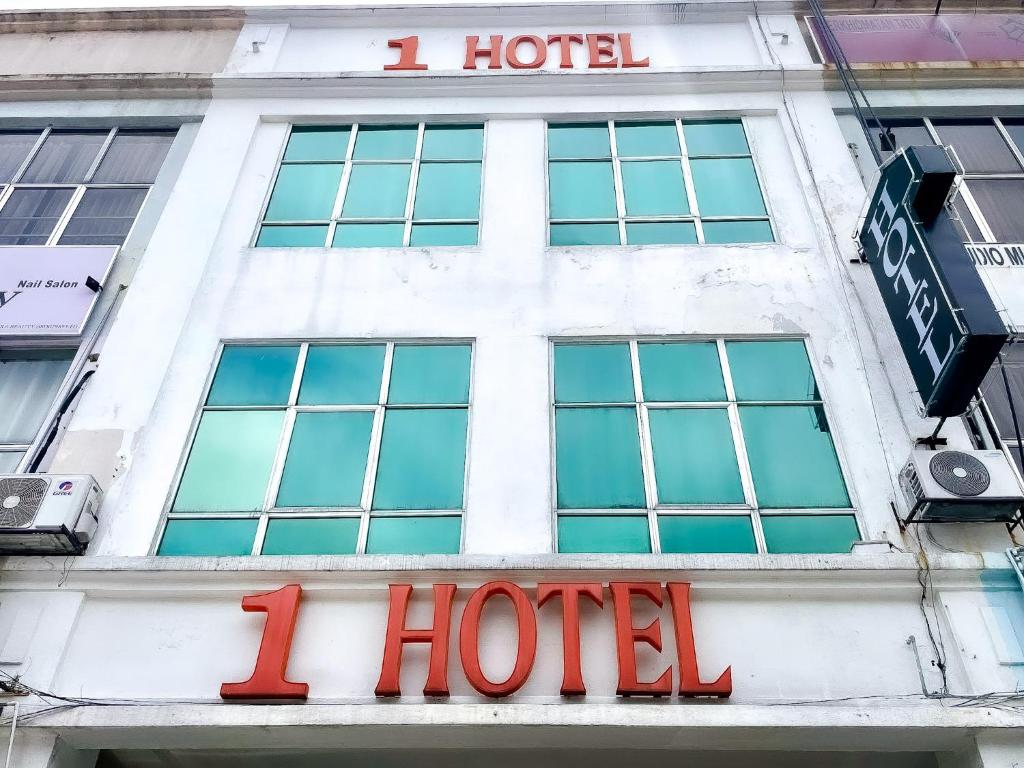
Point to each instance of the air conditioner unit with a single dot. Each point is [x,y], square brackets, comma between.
[961,487]
[47,514]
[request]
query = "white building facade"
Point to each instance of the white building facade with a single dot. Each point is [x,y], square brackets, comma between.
[485,302]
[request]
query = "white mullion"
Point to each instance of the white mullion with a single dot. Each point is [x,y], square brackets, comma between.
[300,368]
[979,218]
[620,193]
[99,155]
[346,174]
[20,171]
[287,428]
[691,190]
[261,534]
[373,456]
[414,177]
[646,451]
[1014,149]
[65,218]
[5,194]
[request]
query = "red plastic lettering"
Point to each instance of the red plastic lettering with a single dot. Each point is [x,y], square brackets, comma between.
[408,46]
[268,677]
[627,636]
[626,46]
[398,636]
[689,677]
[598,46]
[469,639]
[540,52]
[572,667]
[565,48]
[474,52]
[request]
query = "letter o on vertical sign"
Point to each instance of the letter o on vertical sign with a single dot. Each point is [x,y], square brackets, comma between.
[469,639]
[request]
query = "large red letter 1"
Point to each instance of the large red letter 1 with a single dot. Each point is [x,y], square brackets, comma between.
[267,680]
[407,48]
[627,636]
[572,667]
[398,636]
[689,677]
[469,639]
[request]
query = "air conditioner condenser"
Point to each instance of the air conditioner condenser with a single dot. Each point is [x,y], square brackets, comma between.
[47,514]
[961,487]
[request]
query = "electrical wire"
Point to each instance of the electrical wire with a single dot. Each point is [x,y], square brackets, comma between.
[55,427]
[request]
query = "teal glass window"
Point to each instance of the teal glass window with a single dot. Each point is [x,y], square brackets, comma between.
[681,371]
[668,182]
[598,458]
[603,533]
[694,534]
[364,186]
[372,434]
[771,370]
[593,373]
[809,534]
[694,456]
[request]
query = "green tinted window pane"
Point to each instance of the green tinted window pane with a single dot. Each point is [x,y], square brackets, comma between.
[430,373]
[584,234]
[208,538]
[654,188]
[304,192]
[443,234]
[646,139]
[384,142]
[581,190]
[292,237]
[716,232]
[593,373]
[326,460]
[229,465]
[342,374]
[579,140]
[253,375]
[661,232]
[809,534]
[681,371]
[422,459]
[727,187]
[448,191]
[603,533]
[598,459]
[715,137]
[368,235]
[453,142]
[414,536]
[792,457]
[377,191]
[317,142]
[691,534]
[312,536]
[771,370]
[694,456]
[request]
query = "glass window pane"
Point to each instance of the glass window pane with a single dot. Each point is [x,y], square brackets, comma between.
[347,374]
[694,456]
[369,235]
[326,460]
[994,391]
[28,385]
[584,234]
[134,157]
[424,235]
[691,534]
[598,459]
[30,215]
[978,144]
[907,133]
[65,157]
[654,188]
[385,142]
[229,465]
[971,231]
[1014,127]
[453,142]
[448,191]
[646,139]
[317,142]
[253,375]
[681,371]
[811,534]
[209,538]
[1002,204]
[707,138]
[581,190]
[579,140]
[377,191]
[430,373]
[792,458]
[771,370]
[103,217]
[285,237]
[14,148]
[603,533]
[716,232]
[661,232]
[304,192]
[311,536]
[414,536]
[727,187]
[593,373]
[422,459]
[9,460]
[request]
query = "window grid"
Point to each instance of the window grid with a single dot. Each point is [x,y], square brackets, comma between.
[694,217]
[749,507]
[364,511]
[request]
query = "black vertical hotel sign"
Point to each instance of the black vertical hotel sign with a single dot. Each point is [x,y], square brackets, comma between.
[947,326]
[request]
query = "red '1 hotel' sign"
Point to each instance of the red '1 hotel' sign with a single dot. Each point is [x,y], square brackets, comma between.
[269,681]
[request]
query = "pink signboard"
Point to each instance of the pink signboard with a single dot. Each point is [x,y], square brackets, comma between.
[878,38]
[43,289]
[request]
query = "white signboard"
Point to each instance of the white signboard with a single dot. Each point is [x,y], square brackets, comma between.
[43,290]
[996,254]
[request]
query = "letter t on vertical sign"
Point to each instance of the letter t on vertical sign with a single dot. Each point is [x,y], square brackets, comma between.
[572,667]
[267,680]
[689,677]
[627,636]
[397,636]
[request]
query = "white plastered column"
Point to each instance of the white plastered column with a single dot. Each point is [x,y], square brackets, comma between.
[35,748]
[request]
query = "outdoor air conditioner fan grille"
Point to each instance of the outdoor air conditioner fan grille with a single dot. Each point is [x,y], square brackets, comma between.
[20,499]
[959,473]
